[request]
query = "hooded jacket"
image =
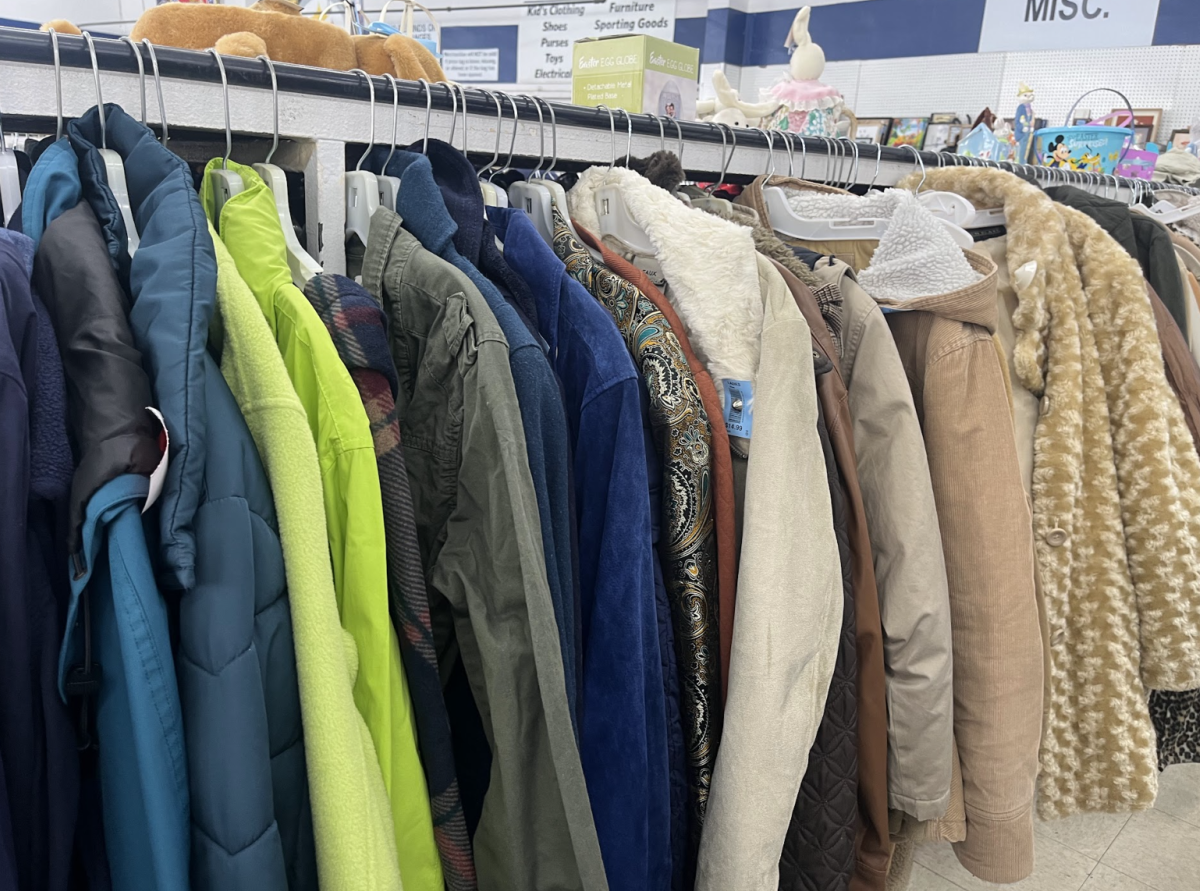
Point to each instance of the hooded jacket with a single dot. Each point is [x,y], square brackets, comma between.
[1086,347]
[352,822]
[219,543]
[959,389]
[249,226]
[138,719]
[746,327]
[622,726]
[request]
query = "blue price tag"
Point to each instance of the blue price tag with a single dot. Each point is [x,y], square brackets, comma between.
[739,408]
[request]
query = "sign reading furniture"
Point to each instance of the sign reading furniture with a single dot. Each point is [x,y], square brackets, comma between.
[1066,24]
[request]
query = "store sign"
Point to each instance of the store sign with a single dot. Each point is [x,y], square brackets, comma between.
[547,32]
[1010,25]
[472,66]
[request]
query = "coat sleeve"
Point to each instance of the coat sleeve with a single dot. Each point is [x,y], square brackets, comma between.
[910,572]
[536,827]
[622,720]
[787,622]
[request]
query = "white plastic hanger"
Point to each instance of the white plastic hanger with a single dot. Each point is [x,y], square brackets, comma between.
[535,201]
[558,195]
[389,186]
[615,221]
[954,211]
[114,167]
[303,267]
[362,187]
[225,182]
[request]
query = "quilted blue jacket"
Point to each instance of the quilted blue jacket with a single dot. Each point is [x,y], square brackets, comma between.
[218,549]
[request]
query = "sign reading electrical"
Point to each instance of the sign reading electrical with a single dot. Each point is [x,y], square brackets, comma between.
[1010,25]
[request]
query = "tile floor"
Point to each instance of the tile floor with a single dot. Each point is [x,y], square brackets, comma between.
[1156,850]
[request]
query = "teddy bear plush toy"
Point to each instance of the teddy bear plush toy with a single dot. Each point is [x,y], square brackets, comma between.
[276,29]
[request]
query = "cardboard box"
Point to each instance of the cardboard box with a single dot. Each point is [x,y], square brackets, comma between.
[638,73]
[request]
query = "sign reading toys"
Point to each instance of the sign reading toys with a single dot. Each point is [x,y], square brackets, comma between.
[1066,24]
[547,32]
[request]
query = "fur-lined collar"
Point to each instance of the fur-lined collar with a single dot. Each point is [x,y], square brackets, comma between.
[1036,235]
[710,264]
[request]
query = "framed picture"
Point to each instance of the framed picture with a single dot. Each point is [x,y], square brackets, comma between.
[945,117]
[1143,118]
[1180,139]
[940,136]
[873,131]
[908,131]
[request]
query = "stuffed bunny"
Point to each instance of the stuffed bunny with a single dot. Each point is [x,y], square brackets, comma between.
[806,106]
[728,108]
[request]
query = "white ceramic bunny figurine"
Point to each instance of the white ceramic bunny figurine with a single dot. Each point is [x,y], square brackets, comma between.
[807,106]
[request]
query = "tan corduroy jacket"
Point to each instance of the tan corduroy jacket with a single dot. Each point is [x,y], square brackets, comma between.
[959,388]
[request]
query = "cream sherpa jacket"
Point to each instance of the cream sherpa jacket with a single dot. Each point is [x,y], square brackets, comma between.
[744,325]
[1116,497]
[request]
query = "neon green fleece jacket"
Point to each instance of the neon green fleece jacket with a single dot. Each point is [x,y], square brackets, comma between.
[249,227]
[352,822]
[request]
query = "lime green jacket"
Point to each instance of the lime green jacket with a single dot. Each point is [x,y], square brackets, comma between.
[352,820]
[250,228]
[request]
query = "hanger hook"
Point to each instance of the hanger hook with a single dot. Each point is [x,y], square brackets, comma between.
[921,161]
[99,96]
[141,73]
[428,113]
[724,143]
[274,107]
[853,146]
[791,150]
[878,162]
[662,134]
[537,171]
[162,108]
[499,131]
[553,139]
[679,137]
[628,136]
[512,145]
[225,97]
[769,136]
[463,92]
[371,86]
[612,128]
[453,112]
[395,117]
[58,132]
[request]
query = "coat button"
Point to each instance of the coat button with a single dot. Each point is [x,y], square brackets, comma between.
[1056,538]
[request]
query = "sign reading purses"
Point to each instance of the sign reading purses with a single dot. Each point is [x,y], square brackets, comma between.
[1010,25]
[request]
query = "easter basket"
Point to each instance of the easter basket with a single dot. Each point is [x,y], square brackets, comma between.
[1094,147]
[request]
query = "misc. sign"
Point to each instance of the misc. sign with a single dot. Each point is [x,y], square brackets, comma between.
[1010,25]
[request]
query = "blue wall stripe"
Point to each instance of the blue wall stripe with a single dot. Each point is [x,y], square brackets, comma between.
[690,32]
[724,36]
[1178,22]
[486,37]
[886,29]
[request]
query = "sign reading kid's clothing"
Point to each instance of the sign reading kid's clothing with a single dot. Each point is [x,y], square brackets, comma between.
[1010,25]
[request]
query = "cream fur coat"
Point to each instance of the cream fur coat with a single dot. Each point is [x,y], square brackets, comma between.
[1116,497]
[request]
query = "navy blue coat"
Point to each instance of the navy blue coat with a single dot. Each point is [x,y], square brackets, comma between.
[218,542]
[40,765]
[622,714]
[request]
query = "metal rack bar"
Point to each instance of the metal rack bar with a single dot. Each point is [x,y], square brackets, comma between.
[322,111]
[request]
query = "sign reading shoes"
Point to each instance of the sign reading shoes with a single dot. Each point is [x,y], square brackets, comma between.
[1066,24]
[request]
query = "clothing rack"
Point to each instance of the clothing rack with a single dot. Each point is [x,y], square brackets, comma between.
[324,116]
